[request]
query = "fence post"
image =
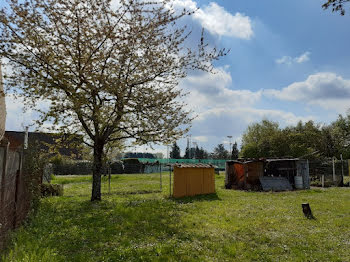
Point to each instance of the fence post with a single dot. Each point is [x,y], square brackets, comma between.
[322,180]
[160,176]
[109,178]
[4,167]
[333,171]
[342,171]
[170,180]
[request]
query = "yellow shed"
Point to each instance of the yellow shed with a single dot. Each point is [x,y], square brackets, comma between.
[193,179]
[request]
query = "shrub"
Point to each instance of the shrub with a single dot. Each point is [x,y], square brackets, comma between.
[51,190]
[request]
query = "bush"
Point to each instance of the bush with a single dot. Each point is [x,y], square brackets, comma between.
[51,190]
[72,168]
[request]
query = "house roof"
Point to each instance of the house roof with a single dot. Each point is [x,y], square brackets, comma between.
[67,148]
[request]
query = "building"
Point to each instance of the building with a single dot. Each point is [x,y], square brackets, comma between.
[193,179]
[62,144]
[267,174]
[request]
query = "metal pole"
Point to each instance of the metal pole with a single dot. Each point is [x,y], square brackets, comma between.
[160,176]
[322,180]
[342,170]
[109,179]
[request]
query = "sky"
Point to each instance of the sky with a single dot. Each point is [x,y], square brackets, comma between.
[289,61]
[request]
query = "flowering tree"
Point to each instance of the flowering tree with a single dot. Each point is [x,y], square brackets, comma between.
[109,72]
[336,5]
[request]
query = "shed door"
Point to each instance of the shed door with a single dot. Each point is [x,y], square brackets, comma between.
[303,170]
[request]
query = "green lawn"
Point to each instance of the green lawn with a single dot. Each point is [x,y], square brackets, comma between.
[137,222]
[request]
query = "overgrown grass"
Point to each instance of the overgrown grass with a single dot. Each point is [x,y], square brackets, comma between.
[135,222]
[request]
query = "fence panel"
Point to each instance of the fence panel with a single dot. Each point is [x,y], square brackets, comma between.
[15,195]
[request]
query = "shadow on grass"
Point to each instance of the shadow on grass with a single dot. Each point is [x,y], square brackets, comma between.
[137,192]
[117,228]
[199,198]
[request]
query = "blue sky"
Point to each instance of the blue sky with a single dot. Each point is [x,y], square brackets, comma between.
[289,61]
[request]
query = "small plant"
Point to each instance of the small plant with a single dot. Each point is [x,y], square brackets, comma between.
[51,190]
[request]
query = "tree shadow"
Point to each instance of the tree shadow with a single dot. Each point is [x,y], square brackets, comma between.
[198,198]
[137,192]
[121,229]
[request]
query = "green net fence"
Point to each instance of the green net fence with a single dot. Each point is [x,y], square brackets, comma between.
[216,162]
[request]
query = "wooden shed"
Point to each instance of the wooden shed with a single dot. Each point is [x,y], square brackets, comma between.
[193,179]
[267,174]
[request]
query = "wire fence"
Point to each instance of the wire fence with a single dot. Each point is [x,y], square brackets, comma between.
[329,172]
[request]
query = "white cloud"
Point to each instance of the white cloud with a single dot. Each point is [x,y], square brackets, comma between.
[288,60]
[303,58]
[208,91]
[218,21]
[212,17]
[16,119]
[325,89]
[202,139]
[224,111]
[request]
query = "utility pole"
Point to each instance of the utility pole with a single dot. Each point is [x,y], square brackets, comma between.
[230,150]
[195,145]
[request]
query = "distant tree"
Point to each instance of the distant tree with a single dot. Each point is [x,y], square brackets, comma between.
[336,5]
[201,153]
[338,141]
[190,153]
[109,73]
[262,140]
[175,151]
[266,139]
[220,152]
[235,151]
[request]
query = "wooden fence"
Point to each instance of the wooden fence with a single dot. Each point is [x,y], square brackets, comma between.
[15,195]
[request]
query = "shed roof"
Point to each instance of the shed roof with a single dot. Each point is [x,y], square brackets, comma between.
[197,165]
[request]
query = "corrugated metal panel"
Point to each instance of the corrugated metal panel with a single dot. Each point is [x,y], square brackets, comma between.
[193,181]
[275,183]
[303,170]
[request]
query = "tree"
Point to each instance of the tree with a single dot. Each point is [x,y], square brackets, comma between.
[108,73]
[235,151]
[337,5]
[262,140]
[220,152]
[190,152]
[175,151]
[201,153]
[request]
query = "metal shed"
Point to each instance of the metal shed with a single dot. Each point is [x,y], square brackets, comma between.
[193,179]
[267,174]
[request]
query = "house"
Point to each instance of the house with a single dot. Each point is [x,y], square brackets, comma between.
[62,144]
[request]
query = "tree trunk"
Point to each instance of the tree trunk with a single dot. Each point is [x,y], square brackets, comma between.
[97,170]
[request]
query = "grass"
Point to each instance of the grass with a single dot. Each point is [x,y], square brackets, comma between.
[136,222]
